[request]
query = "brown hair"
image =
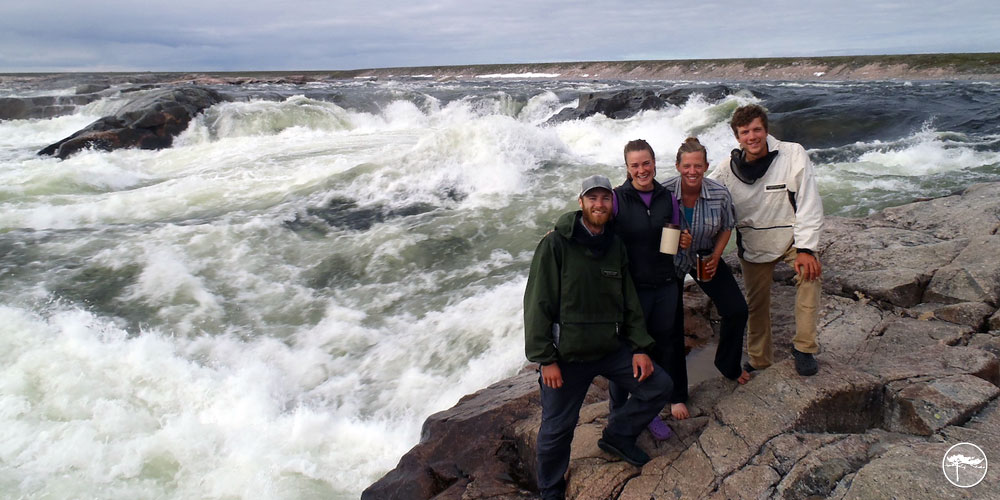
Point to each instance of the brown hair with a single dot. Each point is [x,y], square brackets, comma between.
[639,145]
[746,114]
[691,145]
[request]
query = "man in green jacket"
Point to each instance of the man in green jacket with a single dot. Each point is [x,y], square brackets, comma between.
[582,319]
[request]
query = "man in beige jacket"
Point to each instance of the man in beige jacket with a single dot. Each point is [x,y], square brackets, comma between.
[779,215]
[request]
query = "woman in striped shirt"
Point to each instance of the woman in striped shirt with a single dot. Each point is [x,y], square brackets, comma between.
[708,209]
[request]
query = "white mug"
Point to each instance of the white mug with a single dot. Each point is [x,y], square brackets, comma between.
[669,239]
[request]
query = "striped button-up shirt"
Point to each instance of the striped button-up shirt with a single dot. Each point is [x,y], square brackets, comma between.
[713,213]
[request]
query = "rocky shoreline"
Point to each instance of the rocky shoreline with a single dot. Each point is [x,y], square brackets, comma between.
[910,338]
[970,66]
[852,68]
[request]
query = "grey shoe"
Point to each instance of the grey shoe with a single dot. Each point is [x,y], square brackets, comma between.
[624,448]
[805,363]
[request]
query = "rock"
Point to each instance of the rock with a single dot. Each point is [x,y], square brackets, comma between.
[887,264]
[974,275]
[91,88]
[658,480]
[21,108]
[994,323]
[614,104]
[896,338]
[987,342]
[926,407]
[699,312]
[467,443]
[712,93]
[936,361]
[818,473]
[148,122]
[753,481]
[972,212]
[906,471]
[972,314]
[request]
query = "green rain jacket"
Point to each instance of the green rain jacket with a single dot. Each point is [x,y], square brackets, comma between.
[579,306]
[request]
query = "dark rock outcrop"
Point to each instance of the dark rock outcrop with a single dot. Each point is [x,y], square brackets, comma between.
[22,108]
[481,423]
[627,103]
[615,104]
[150,121]
[908,366]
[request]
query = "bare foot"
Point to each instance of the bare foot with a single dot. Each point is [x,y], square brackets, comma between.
[744,377]
[679,411]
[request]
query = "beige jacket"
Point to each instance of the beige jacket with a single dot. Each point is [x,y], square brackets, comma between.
[766,222]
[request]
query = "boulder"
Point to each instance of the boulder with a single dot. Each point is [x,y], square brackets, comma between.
[22,108]
[613,104]
[150,121]
[468,446]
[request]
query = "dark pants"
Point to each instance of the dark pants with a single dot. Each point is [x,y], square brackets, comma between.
[732,307]
[561,410]
[664,314]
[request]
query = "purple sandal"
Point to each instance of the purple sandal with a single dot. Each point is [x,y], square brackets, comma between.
[659,429]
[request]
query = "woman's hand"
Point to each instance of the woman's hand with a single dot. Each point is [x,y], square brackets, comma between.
[685,240]
[712,266]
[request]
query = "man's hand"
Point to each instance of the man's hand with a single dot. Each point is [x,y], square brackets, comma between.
[552,375]
[685,240]
[807,266]
[642,366]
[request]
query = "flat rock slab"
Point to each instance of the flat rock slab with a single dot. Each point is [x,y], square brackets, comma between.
[973,276]
[889,264]
[913,471]
[973,212]
[925,407]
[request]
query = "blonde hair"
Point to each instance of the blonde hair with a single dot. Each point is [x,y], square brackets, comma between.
[691,145]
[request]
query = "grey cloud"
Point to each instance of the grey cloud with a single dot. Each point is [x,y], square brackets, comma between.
[188,35]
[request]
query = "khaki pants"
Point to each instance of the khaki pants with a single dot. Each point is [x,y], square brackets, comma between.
[758,278]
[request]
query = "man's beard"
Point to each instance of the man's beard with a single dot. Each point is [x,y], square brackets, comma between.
[596,220]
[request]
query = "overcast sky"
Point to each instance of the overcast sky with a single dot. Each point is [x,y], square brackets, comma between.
[212,35]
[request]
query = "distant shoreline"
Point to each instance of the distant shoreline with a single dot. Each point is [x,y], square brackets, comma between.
[861,68]
[964,67]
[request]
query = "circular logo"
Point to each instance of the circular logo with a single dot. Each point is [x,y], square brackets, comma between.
[964,465]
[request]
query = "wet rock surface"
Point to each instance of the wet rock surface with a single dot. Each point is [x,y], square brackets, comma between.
[908,367]
[150,121]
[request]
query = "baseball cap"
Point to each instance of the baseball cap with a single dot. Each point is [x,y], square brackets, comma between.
[595,181]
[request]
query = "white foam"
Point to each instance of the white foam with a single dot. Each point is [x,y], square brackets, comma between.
[926,153]
[541,107]
[160,415]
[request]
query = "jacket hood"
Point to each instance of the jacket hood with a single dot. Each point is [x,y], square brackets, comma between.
[565,223]
[749,171]
[568,227]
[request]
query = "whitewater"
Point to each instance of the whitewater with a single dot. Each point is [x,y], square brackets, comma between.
[270,308]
